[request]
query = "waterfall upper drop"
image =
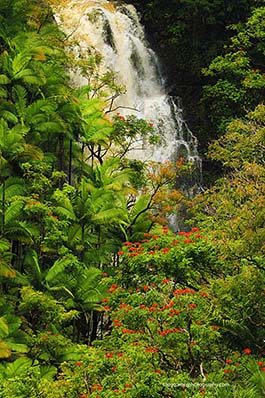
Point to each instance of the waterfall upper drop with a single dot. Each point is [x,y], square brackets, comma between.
[114,30]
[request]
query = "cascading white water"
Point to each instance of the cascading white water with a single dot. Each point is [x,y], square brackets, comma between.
[114,30]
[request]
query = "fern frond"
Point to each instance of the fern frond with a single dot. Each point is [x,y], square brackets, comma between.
[9,116]
[31,152]
[3,92]
[50,127]
[4,79]
[13,211]
[14,186]
[19,62]
[58,267]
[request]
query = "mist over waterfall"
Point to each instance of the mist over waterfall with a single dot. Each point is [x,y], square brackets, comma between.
[114,31]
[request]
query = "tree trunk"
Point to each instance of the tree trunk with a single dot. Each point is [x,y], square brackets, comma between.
[3,204]
[60,157]
[70,162]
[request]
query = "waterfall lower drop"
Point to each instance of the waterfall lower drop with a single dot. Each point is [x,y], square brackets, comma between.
[114,31]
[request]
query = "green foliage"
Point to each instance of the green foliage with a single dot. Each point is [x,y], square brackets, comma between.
[187,257]
[82,257]
[240,299]
[233,209]
[187,35]
[12,339]
[237,78]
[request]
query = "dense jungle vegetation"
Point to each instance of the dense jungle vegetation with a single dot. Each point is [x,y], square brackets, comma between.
[99,298]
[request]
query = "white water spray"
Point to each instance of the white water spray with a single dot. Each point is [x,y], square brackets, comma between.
[114,30]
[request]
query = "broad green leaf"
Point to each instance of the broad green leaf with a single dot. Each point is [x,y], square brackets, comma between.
[4,329]
[5,350]
[48,372]
[18,367]
[4,79]
[58,267]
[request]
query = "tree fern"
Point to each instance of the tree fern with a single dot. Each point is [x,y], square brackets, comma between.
[32,267]
[22,231]
[30,152]
[9,116]
[4,329]
[19,96]
[4,79]
[65,206]
[3,92]
[58,267]
[13,211]
[110,216]
[20,62]
[5,260]
[29,76]
[74,234]
[39,110]
[18,367]
[11,338]
[50,127]
[13,187]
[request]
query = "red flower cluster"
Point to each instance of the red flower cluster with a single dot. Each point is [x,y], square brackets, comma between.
[126,306]
[113,288]
[153,308]
[247,351]
[109,355]
[167,306]
[186,241]
[174,242]
[228,371]
[151,349]
[131,331]
[117,323]
[49,214]
[215,327]
[184,291]
[169,331]
[165,230]
[105,300]
[186,234]
[97,387]
[174,312]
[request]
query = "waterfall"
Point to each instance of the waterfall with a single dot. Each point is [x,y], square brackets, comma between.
[114,31]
